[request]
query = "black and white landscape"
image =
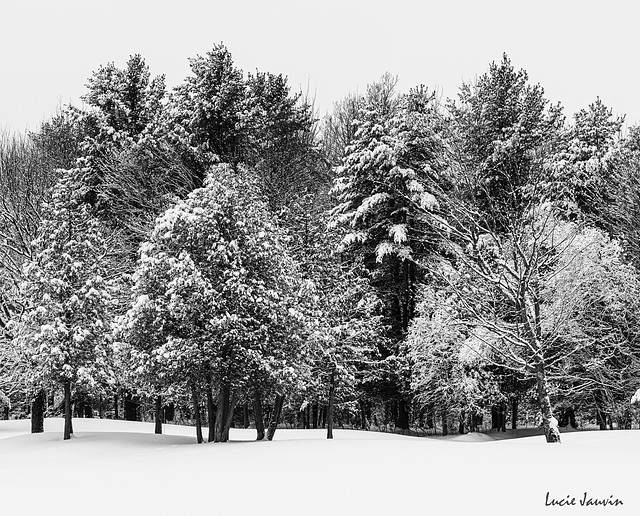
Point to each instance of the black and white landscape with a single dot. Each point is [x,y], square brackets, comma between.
[228,293]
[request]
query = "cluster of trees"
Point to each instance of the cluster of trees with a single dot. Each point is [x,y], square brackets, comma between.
[219,250]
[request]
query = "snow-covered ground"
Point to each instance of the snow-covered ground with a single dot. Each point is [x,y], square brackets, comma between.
[122,468]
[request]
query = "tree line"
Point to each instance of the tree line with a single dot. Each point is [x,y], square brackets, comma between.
[221,251]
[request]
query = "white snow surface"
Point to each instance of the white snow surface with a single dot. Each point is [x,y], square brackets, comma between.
[123,468]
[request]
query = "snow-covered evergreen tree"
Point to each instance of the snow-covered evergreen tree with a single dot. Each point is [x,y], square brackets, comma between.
[581,168]
[503,127]
[216,284]
[63,333]
[205,111]
[382,188]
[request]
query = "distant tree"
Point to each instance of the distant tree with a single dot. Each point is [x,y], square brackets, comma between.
[279,140]
[447,374]
[581,168]
[503,124]
[339,128]
[128,100]
[591,308]
[345,326]
[206,109]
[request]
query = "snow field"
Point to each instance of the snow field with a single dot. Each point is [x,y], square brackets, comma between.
[122,468]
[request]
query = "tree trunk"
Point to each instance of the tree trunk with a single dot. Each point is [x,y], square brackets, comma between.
[601,414]
[130,408]
[257,414]
[115,407]
[196,409]
[275,418]
[314,414]
[222,413]
[68,430]
[514,413]
[365,414]
[211,414]
[158,415]
[245,415]
[229,417]
[461,423]
[402,420]
[430,416]
[332,392]
[445,426]
[5,412]
[37,412]
[549,423]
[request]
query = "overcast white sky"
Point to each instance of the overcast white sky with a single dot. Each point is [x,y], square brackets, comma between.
[576,50]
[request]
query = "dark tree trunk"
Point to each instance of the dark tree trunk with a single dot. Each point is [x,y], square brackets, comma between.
[514,413]
[5,412]
[68,429]
[222,413]
[314,414]
[365,415]
[158,415]
[601,414]
[445,426]
[498,418]
[229,416]
[307,416]
[87,410]
[246,422]
[196,409]
[461,423]
[115,407]
[402,420]
[211,414]
[37,412]
[275,418]
[430,416]
[130,408]
[257,415]
[332,391]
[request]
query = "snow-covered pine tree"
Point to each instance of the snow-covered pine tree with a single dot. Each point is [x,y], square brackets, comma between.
[63,332]
[205,111]
[278,141]
[581,169]
[382,187]
[129,100]
[501,124]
